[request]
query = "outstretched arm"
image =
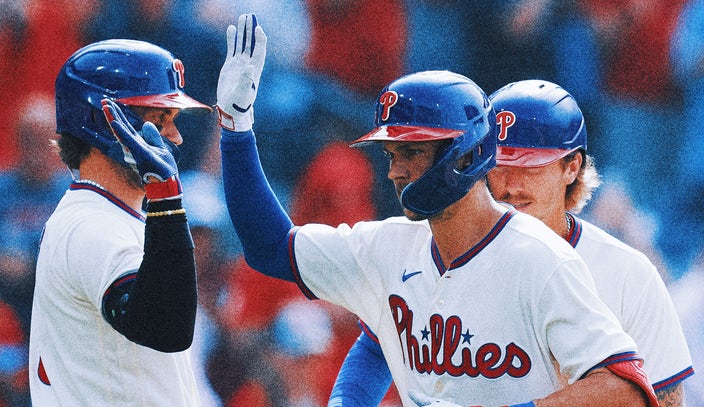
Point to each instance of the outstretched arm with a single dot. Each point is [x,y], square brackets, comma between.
[262,225]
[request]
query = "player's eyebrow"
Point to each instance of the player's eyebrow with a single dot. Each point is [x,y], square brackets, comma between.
[404,147]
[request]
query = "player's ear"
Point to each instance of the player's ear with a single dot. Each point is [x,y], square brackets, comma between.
[573,164]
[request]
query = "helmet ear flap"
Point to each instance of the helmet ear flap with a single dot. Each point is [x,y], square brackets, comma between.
[458,169]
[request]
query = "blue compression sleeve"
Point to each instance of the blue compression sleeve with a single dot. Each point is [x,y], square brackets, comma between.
[261,223]
[364,377]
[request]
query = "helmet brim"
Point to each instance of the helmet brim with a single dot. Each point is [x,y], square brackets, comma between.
[407,133]
[170,100]
[529,157]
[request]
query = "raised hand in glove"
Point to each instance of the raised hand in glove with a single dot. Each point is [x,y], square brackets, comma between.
[146,153]
[239,75]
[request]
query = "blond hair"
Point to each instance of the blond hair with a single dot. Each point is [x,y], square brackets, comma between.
[580,191]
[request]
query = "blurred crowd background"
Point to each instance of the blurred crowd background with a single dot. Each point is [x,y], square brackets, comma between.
[635,66]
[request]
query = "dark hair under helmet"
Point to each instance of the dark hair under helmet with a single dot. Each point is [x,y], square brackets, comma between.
[437,105]
[539,123]
[130,72]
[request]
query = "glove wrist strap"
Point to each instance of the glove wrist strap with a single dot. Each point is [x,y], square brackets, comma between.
[225,120]
[169,189]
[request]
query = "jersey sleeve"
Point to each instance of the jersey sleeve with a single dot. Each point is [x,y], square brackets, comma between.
[568,305]
[352,266]
[650,317]
[157,306]
[332,264]
[103,253]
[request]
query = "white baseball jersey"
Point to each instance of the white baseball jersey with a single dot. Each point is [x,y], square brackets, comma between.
[75,357]
[489,330]
[631,287]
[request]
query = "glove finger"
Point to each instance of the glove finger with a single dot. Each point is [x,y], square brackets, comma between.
[113,114]
[259,51]
[231,40]
[110,112]
[241,38]
[121,128]
[253,39]
[151,135]
[127,138]
[121,116]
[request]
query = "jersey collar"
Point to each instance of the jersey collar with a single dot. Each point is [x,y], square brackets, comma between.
[91,186]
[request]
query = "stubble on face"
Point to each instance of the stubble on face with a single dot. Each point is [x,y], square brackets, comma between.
[129,175]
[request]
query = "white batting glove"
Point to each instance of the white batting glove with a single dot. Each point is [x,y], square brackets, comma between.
[239,75]
[422,400]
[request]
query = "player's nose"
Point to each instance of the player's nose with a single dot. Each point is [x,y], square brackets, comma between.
[396,171]
[171,133]
[503,180]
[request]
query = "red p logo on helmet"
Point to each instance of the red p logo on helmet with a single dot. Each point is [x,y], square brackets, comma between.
[181,72]
[505,120]
[387,100]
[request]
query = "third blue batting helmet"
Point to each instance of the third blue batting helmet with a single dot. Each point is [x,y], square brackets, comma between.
[437,105]
[539,122]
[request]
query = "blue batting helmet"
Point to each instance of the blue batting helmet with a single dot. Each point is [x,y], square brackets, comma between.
[539,123]
[132,73]
[437,105]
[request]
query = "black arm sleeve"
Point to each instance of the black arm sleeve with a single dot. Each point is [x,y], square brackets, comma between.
[156,307]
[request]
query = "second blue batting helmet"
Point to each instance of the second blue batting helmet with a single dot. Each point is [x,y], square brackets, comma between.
[539,122]
[130,72]
[437,105]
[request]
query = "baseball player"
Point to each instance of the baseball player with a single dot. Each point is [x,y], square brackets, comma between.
[115,297]
[543,170]
[472,302]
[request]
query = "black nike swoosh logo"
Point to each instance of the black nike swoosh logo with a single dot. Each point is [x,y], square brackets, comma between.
[243,109]
[239,109]
[407,275]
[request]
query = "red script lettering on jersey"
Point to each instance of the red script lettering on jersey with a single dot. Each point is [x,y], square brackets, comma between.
[445,340]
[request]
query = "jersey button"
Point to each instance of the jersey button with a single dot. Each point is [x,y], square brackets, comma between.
[441,303]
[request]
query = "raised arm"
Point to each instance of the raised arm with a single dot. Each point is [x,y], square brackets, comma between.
[261,223]
[156,305]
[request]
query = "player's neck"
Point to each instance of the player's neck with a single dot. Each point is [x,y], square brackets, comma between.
[465,223]
[557,221]
[102,170]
